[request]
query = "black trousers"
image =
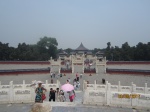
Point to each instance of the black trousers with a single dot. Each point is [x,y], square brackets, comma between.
[52,98]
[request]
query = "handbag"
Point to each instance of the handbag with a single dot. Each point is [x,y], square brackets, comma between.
[43,96]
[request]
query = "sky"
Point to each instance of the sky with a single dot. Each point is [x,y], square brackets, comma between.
[92,22]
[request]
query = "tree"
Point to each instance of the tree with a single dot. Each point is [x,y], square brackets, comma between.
[47,47]
[68,50]
[108,51]
[125,52]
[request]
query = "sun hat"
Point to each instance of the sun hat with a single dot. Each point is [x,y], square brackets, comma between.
[39,82]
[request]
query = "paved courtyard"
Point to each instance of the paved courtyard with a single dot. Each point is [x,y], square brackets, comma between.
[67,108]
[125,80]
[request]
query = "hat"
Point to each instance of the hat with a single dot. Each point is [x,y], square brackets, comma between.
[39,82]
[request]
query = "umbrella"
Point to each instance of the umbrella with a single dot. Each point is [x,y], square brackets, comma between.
[67,87]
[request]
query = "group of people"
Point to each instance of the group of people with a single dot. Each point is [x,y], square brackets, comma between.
[76,84]
[54,95]
[53,75]
[57,95]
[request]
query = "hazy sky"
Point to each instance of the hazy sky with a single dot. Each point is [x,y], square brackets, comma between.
[92,22]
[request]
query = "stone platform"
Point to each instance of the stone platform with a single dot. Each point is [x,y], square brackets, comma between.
[66,107]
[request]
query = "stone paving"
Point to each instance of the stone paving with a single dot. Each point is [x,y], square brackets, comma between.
[125,80]
[77,105]
[66,108]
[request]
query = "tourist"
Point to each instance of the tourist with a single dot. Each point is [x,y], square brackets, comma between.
[54,75]
[78,85]
[77,76]
[57,76]
[57,94]
[39,93]
[71,95]
[103,81]
[51,75]
[69,80]
[75,80]
[60,75]
[52,95]
[75,84]
[81,75]
[52,81]
[62,97]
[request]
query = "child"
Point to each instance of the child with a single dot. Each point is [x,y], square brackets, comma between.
[62,97]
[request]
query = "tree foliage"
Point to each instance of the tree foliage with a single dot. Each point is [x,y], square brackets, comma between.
[140,52]
[46,47]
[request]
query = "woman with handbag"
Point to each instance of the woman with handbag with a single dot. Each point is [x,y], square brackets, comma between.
[40,95]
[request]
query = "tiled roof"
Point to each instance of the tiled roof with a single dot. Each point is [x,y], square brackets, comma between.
[81,48]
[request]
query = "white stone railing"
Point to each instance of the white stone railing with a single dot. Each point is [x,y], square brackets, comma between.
[116,95]
[118,88]
[21,93]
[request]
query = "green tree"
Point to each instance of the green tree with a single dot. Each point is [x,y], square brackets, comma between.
[47,47]
[126,52]
[108,53]
[68,50]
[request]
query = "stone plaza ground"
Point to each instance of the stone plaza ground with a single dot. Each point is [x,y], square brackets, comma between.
[77,106]
[67,107]
[125,80]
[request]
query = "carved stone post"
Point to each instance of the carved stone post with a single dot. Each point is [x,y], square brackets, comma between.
[133,88]
[11,92]
[119,86]
[84,85]
[0,85]
[145,88]
[95,87]
[24,86]
[108,94]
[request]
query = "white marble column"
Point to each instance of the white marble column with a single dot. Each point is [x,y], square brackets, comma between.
[0,85]
[108,94]
[24,86]
[11,92]
[145,88]
[119,86]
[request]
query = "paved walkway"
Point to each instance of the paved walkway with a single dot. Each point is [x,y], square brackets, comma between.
[66,107]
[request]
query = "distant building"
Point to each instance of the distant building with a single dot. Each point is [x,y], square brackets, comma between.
[81,50]
[80,60]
